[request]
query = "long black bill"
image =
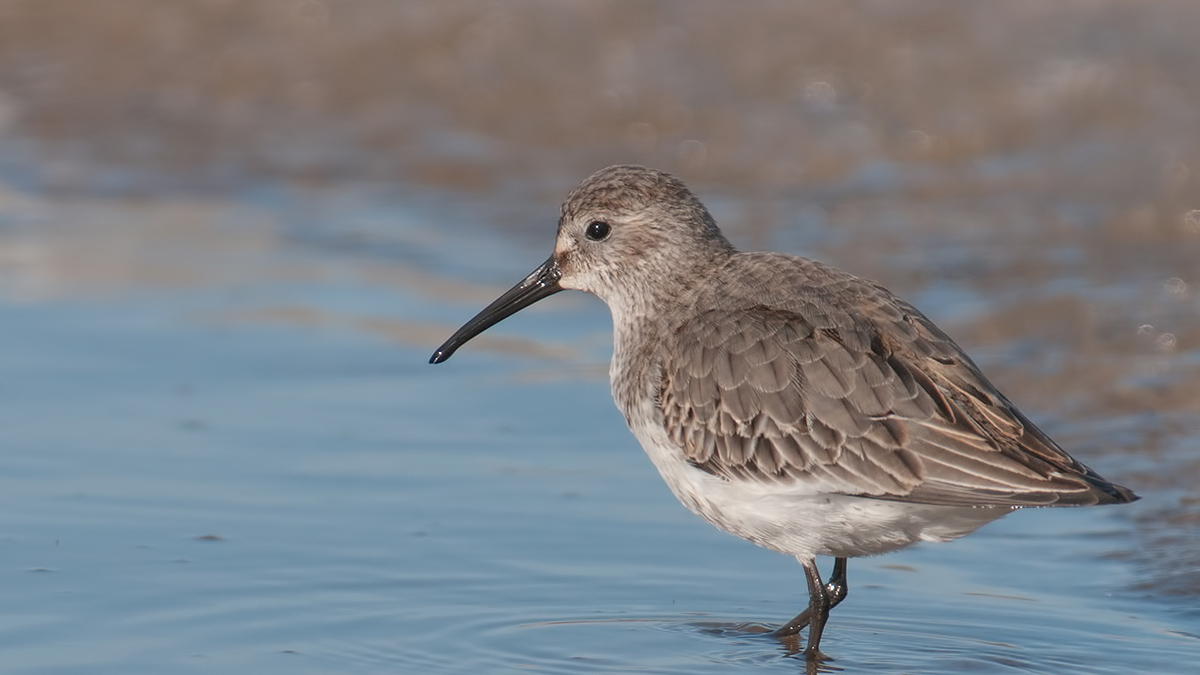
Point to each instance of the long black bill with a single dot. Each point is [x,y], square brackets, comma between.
[543,282]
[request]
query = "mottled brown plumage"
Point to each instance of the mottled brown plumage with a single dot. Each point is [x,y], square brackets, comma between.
[836,384]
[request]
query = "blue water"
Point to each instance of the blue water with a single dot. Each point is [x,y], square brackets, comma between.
[197,481]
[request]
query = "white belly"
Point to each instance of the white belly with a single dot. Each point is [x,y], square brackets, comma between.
[783,518]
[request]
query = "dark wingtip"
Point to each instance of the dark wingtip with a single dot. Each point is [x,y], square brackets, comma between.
[1122,495]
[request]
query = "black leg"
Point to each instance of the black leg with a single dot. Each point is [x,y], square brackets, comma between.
[837,586]
[818,610]
[829,595]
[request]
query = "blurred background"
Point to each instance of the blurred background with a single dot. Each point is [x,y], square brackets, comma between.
[232,231]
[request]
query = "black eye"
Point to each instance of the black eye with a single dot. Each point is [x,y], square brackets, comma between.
[597,230]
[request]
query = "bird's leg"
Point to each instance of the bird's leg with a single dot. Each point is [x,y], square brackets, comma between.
[835,590]
[818,610]
[837,586]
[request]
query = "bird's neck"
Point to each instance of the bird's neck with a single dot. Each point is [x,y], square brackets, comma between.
[645,314]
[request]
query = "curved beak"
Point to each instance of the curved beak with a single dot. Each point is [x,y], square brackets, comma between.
[543,282]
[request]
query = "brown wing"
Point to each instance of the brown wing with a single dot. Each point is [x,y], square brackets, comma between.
[762,394]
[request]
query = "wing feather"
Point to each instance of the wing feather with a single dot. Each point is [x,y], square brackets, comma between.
[889,408]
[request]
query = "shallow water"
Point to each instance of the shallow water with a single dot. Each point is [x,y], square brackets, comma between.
[262,474]
[226,256]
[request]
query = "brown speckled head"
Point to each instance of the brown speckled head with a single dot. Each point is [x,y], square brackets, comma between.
[628,233]
[625,190]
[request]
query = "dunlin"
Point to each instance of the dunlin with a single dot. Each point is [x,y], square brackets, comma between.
[800,407]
